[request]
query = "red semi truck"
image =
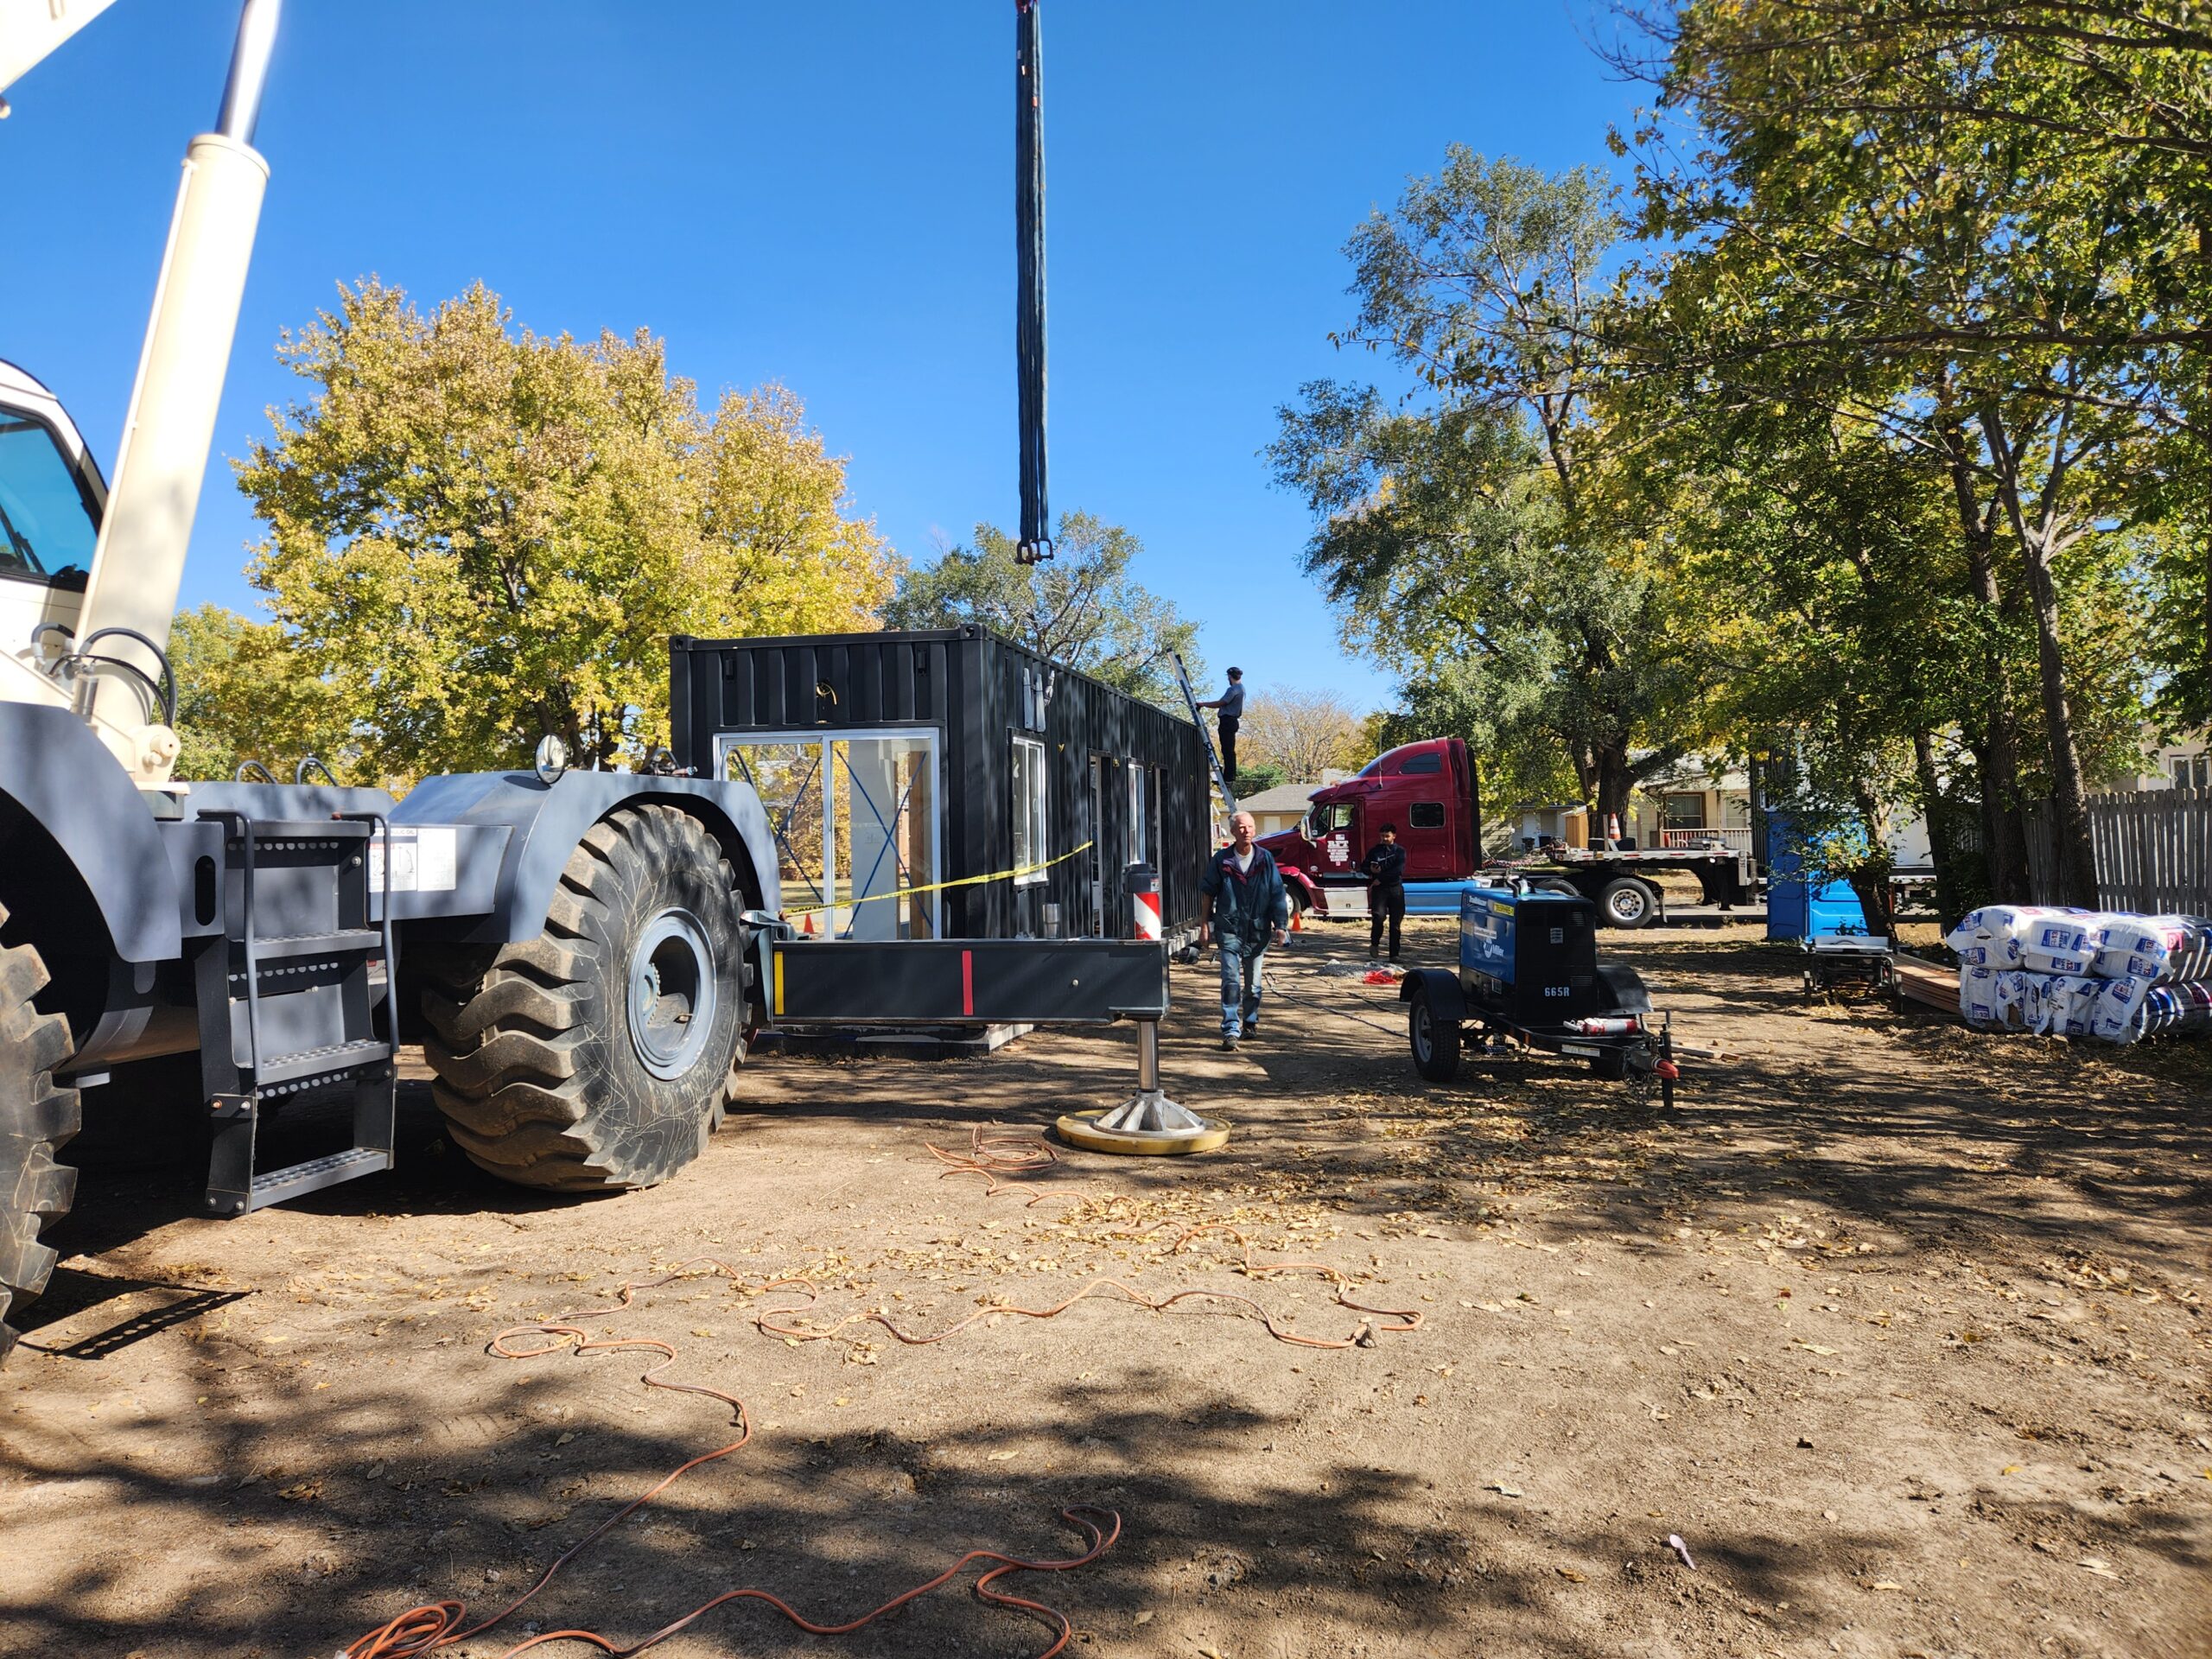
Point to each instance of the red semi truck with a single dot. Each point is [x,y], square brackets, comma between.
[1427,790]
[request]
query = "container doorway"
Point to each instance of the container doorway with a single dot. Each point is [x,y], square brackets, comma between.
[854,817]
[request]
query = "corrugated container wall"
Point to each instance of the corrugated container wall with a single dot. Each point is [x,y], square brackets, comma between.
[894,761]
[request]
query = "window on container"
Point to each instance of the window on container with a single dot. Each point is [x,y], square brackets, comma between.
[1029,803]
[1426,815]
[1430,762]
[1140,819]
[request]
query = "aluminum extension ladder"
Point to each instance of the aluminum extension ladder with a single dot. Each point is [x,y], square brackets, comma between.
[1213,755]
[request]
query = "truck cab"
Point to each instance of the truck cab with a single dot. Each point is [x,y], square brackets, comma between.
[1427,789]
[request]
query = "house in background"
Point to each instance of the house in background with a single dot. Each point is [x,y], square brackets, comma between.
[1283,807]
[2183,763]
[1692,804]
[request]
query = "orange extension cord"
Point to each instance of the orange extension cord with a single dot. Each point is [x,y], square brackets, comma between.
[993,1155]
[438,1624]
[1405,1319]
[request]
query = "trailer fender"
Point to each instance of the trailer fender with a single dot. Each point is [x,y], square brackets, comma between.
[1446,1001]
[1621,989]
[60,778]
[546,821]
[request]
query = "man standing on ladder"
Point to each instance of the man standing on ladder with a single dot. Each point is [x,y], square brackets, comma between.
[1250,910]
[1231,704]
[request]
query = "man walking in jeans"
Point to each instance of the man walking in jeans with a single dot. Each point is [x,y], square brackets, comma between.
[1250,910]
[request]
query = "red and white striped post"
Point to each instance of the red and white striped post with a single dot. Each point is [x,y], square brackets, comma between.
[1143,883]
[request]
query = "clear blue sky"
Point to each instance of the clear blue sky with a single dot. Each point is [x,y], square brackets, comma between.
[821,194]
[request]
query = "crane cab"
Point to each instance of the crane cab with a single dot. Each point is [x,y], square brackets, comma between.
[51,500]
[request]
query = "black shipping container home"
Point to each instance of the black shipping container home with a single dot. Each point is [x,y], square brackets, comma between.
[953,759]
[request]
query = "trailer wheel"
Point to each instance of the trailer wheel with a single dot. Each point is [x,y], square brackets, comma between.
[600,1055]
[1627,902]
[37,1117]
[1435,1042]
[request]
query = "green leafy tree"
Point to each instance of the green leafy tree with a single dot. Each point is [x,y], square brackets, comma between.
[1484,537]
[476,537]
[1915,192]
[243,694]
[1081,607]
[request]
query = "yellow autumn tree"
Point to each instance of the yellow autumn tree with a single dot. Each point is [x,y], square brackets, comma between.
[477,536]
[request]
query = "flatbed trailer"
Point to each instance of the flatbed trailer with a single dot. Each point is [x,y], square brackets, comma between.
[1619,882]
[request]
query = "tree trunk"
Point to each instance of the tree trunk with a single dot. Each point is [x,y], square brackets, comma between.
[1614,783]
[2074,852]
[2004,835]
[1755,775]
[1870,878]
[1935,807]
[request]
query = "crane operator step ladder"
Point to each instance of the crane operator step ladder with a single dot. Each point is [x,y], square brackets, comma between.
[289,1002]
[1213,755]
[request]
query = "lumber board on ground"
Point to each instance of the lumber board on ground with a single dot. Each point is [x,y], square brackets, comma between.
[1929,985]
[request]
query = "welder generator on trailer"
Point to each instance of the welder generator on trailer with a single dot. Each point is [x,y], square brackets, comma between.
[1529,978]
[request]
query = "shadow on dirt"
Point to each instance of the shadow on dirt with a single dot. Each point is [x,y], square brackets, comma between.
[377,1501]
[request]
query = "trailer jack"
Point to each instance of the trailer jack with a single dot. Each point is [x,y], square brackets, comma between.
[1147,1122]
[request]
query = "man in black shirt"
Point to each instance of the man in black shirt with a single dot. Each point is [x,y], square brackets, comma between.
[1385,867]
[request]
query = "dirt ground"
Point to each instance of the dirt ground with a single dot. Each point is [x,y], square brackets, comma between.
[1900,1331]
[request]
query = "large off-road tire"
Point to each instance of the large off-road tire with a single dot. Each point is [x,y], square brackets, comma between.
[601,1054]
[37,1117]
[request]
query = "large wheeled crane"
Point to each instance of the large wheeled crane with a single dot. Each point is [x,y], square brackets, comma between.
[582,955]
[580,940]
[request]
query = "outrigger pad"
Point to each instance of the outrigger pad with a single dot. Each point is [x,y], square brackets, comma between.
[1148,1124]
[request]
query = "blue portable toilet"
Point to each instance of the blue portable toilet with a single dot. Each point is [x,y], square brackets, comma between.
[1794,908]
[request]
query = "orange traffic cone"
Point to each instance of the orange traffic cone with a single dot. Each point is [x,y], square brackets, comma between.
[1298,918]
[807,923]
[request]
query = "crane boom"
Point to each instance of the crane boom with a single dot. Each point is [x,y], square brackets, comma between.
[138,563]
[33,30]
[1036,539]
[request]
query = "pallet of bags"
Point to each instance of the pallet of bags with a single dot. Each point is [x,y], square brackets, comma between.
[2042,938]
[2064,972]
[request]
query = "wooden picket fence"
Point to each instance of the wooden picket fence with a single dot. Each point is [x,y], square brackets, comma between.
[2153,847]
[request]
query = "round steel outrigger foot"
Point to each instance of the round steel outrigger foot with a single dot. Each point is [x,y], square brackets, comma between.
[1148,1123]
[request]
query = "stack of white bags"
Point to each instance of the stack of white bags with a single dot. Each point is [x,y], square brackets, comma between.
[2083,973]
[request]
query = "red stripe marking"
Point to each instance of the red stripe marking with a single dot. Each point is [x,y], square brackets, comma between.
[968,984]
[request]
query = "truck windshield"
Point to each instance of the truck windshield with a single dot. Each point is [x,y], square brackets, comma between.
[46,525]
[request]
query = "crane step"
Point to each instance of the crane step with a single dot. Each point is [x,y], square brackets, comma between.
[298,1179]
[329,1060]
[347,941]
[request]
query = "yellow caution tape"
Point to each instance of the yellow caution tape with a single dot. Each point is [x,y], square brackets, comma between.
[939,886]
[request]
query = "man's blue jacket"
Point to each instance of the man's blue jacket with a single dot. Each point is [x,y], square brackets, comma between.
[1248,905]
